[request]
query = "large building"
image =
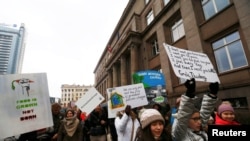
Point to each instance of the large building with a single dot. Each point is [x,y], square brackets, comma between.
[12,47]
[71,93]
[218,28]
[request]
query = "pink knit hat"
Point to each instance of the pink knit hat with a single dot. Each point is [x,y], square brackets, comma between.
[225,107]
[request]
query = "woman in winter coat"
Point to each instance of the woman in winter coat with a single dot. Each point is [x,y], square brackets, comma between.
[190,121]
[126,124]
[152,127]
[70,128]
[225,115]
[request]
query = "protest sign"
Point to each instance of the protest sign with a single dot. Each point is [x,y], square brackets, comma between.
[154,84]
[119,97]
[88,102]
[24,103]
[189,64]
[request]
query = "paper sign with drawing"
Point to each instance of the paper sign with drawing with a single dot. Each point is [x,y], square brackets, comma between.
[24,103]
[120,97]
[189,64]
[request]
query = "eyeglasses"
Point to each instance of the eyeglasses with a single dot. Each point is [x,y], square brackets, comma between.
[196,118]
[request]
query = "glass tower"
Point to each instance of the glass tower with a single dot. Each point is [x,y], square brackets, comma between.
[12,47]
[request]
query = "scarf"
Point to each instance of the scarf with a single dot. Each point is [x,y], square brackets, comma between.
[70,125]
[220,121]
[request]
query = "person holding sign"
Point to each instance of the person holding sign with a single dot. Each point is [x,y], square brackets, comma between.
[126,124]
[190,121]
[70,128]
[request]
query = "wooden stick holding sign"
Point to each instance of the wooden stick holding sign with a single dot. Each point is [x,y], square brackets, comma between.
[189,64]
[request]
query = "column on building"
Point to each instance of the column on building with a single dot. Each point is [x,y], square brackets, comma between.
[134,59]
[115,80]
[123,70]
[110,79]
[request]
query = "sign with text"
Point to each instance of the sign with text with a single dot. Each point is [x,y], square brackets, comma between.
[188,64]
[24,103]
[88,102]
[153,82]
[149,78]
[119,97]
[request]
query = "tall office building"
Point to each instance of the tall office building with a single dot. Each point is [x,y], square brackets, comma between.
[12,47]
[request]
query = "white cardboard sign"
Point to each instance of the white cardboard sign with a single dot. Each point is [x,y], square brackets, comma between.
[24,103]
[89,101]
[119,97]
[189,64]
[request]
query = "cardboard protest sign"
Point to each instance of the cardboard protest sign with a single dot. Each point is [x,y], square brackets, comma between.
[24,103]
[89,101]
[119,97]
[189,64]
[154,84]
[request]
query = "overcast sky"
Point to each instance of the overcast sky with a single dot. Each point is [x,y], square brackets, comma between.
[65,38]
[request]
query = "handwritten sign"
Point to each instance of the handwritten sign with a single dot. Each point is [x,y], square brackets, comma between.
[188,64]
[89,101]
[119,97]
[24,103]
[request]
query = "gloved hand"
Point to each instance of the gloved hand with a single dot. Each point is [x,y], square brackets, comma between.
[214,88]
[128,109]
[190,85]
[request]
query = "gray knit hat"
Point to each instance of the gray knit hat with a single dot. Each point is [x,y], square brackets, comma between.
[150,115]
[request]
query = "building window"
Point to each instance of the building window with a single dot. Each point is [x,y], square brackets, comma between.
[211,7]
[150,17]
[155,47]
[166,2]
[240,102]
[229,53]
[177,30]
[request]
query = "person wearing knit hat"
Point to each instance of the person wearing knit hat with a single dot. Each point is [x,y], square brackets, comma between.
[152,126]
[225,107]
[225,115]
[149,116]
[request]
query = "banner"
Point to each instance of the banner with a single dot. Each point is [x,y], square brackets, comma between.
[154,84]
[189,64]
[24,104]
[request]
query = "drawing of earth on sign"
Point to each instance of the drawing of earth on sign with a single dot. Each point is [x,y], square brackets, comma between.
[116,100]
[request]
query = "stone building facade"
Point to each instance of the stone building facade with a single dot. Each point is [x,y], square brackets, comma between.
[71,93]
[220,29]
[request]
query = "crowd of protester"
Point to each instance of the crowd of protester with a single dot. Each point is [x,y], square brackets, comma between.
[183,122]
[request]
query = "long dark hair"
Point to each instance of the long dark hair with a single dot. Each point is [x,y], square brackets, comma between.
[146,135]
